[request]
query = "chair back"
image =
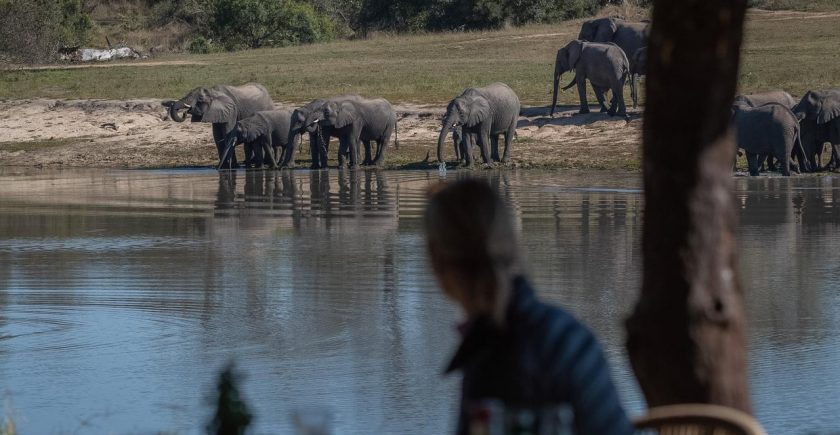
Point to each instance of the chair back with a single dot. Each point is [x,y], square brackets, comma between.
[697,419]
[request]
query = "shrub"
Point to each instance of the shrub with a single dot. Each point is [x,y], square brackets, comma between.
[34,30]
[258,23]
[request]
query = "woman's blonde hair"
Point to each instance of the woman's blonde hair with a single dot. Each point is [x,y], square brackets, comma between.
[470,232]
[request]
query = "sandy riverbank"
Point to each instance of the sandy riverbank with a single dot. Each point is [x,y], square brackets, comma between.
[139,134]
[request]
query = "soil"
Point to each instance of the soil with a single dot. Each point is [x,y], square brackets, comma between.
[139,134]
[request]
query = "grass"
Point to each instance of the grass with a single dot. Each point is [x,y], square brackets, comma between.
[798,5]
[795,52]
[38,145]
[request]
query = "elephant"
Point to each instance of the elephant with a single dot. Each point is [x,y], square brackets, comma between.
[265,136]
[303,120]
[604,64]
[629,36]
[482,114]
[638,68]
[821,124]
[760,99]
[359,120]
[222,106]
[769,129]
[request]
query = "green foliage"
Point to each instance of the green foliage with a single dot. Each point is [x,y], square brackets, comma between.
[201,45]
[414,15]
[34,30]
[264,23]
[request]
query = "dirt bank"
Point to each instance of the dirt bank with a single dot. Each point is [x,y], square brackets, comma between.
[139,134]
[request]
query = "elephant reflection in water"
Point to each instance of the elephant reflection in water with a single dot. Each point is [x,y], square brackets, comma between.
[226,195]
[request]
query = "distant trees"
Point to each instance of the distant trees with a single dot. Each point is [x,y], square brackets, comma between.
[35,30]
[417,15]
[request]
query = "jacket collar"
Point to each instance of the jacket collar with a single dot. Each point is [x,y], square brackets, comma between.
[481,334]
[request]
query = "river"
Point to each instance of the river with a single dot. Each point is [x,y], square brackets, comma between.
[124,293]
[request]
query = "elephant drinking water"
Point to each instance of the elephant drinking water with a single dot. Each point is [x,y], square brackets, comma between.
[483,113]
[265,136]
[360,120]
[222,106]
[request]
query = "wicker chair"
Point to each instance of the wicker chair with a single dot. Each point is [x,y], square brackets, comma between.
[697,419]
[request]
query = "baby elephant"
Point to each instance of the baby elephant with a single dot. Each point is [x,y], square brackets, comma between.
[604,64]
[769,129]
[265,136]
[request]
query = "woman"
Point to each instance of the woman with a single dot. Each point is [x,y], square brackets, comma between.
[525,363]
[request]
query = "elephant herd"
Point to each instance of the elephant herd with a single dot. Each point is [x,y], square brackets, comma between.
[245,114]
[608,52]
[774,125]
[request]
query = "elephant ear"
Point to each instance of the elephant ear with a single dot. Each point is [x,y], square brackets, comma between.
[345,114]
[573,53]
[222,109]
[479,111]
[829,109]
[606,30]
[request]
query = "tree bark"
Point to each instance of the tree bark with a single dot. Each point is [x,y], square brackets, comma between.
[686,337]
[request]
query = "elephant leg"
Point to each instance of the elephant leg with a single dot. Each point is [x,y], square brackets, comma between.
[342,151]
[618,97]
[220,131]
[314,149]
[368,154]
[268,153]
[752,163]
[354,143]
[508,140]
[483,143]
[834,162]
[256,155]
[784,161]
[324,152]
[581,85]
[467,143]
[494,147]
[599,95]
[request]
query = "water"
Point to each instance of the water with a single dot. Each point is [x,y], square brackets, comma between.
[123,293]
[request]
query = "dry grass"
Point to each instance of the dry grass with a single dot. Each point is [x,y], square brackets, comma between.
[793,51]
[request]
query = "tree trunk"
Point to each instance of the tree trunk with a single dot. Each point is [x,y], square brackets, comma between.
[686,338]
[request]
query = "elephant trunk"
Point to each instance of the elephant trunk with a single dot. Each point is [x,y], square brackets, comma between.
[557,75]
[447,125]
[230,142]
[175,108]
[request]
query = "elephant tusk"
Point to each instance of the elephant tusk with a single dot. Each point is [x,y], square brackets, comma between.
[187,106]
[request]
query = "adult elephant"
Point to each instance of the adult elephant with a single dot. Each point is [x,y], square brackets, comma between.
[638,68]
[222,106]
[770,129]
[360,120]
[265,136]
[482,113]
[762,98]
[303,120]
[821,124]
[629,36]
[604,64]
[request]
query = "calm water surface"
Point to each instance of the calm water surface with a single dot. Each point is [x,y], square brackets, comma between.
[123,293]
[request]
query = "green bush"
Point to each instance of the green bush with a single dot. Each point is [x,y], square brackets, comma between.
[241,24]
[201,45]
[34,30]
